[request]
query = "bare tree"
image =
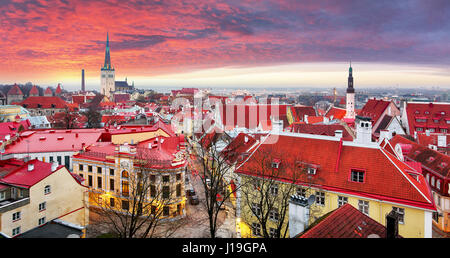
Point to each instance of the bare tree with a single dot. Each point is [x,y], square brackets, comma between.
[216,175]
[144,201]
[266,191]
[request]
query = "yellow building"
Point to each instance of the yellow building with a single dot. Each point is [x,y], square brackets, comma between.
[109,170]
[35,193]
[8,113]
[370,177]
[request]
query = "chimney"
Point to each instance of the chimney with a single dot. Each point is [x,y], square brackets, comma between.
[338,134]
[392,224]
[54,166]
[82,80]
[363,129]
[299,214]
[30,167]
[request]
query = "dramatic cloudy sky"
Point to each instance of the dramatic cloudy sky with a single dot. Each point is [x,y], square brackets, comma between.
[227,43]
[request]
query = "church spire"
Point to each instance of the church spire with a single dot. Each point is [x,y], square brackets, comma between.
[107,64]
[350,88]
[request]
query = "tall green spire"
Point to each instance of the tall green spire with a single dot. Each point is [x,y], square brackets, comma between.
[107,64]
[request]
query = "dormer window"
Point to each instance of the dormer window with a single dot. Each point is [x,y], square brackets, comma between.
[312,170]
[275,163]
[430,159]
[357,175]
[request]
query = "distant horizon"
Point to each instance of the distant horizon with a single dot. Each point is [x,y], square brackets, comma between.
[185,43]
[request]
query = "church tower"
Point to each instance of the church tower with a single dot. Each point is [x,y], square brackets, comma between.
[350,98]
[107,73]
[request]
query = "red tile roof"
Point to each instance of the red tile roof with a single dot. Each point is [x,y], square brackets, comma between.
[23,178]
[321,130]
[336,113]
[238,148]
[440,163]
[15,90]
[249,116]
[299,112]
[436,115]
[374,108]
[386,176]
[44,102]
[34,91]
[48,91]
[58,89]
[345,222]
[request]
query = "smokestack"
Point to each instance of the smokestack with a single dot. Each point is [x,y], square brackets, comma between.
[82,80]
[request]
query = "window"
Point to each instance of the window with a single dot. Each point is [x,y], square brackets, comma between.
[166,179]
[401,213]
[153,209]
[111,202]
[51,160]
[301,191]
[274,190]
[342,200]
[166,211]
[178,190]
[81,175]
[47,189]
[16,231]
[125,205]
[42,206]
[256,229]
[438,184]
[89,168]
[363,206]
[16,216]
[2,195]
[312,171]
[99,170]
[275,164]
[273,215]
[124,174]
[178,176]
[152,178]
[166,192]
[273,232]
[357,176]
[59,159]
[320,198]
[256,209]
[111,172]
[111,184]
[80,167]
[125,188]
[432,181]
[152,191]
[90,180]
[99,182]
[41,221]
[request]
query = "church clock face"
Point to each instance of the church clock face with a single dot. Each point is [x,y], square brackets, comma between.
[124,164]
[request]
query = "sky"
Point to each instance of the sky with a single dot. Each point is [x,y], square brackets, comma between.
[241,43]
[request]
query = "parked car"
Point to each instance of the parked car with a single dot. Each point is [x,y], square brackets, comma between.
[193,200]
[190,192]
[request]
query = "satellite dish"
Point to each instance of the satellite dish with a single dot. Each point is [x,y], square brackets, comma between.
[311,199]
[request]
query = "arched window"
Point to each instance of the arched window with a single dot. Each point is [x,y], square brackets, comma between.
[438,184]
[432,181]
[428,178]
[124,174]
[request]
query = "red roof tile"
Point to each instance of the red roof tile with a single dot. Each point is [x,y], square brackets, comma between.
[321,130]
[336,113]
[386,176]
[345,222]
[436,115]
[249,116]
[34,91]
[44,102]
[15,90]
